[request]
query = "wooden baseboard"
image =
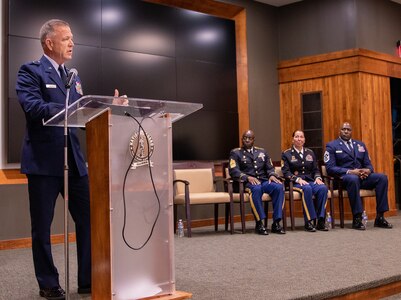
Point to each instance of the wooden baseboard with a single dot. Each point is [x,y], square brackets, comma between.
[177,295]
[12,176]
[27,242]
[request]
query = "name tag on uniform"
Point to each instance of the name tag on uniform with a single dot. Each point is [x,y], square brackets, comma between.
[339,151]
[51,86]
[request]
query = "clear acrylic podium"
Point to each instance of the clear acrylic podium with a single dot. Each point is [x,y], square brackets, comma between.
[129,153]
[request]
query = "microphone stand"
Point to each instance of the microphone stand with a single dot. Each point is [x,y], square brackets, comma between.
[66,197]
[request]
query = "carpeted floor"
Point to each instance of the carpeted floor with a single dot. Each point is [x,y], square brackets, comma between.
[298,265]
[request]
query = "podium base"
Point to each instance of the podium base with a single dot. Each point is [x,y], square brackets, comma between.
[177,295]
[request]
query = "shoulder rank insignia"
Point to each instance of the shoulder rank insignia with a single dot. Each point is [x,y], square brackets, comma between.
[233,164]
[326,156]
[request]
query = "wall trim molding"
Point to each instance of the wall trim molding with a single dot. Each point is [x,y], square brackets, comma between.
[337,63]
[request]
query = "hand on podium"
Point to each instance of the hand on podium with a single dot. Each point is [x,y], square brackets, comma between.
[120,100]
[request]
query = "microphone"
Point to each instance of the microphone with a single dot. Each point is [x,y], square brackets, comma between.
[70,78]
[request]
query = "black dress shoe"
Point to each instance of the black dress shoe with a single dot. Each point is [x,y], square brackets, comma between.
[85,290]
[260,229]
[276,228]
[309,227]
[382,223]
[52,293]
[321,225]
[357,224]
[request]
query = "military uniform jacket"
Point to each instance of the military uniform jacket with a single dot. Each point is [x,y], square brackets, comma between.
[294,167]
[339,159]
[257,164]
[42,94]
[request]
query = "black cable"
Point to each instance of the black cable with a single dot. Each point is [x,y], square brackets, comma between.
[153,184]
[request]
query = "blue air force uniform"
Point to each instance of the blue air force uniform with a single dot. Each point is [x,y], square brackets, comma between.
[41,94]
[339,159]
[295,167]
[258,164]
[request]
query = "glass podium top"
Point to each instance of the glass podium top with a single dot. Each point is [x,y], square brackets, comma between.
[88,107]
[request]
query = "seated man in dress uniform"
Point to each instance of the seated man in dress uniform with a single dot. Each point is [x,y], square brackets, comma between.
[254,166]
[349,159]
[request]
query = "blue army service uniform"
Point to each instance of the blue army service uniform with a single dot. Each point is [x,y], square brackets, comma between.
[294,166]
[42,94]
[257,164]
[339,159]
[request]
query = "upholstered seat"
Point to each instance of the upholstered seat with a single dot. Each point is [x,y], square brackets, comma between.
[197,186]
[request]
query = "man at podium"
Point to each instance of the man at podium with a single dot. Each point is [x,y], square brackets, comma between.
[41,92]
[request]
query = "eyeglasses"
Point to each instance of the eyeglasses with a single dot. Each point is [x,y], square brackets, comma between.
[346,129]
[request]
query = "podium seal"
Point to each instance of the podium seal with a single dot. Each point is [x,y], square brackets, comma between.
[141,148]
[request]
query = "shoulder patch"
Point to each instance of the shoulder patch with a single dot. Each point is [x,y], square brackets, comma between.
[326,156]
[259,148]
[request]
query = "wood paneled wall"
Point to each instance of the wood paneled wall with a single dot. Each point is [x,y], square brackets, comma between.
[355,86]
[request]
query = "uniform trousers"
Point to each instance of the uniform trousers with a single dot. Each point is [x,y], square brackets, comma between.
[307,192]
[43,192]
[276,192]
[377,181]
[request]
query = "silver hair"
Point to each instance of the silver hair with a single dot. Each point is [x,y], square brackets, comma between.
[48,29]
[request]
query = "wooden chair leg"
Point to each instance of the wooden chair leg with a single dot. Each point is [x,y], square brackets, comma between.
[332,212]
[227,215]
[292,214]
[242,212]
[216,217]
[341,207]
[188,216]
[284,216]
[266,204]
[231,217]
[175,217]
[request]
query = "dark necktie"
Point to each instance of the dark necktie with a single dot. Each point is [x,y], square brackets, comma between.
[350,148]
[62,74]
[301,155]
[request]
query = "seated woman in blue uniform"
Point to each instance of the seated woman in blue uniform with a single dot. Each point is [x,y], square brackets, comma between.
[299,164]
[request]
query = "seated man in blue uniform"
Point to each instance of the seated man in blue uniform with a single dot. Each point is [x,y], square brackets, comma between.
[299,164]
[349,159]
[253,165]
